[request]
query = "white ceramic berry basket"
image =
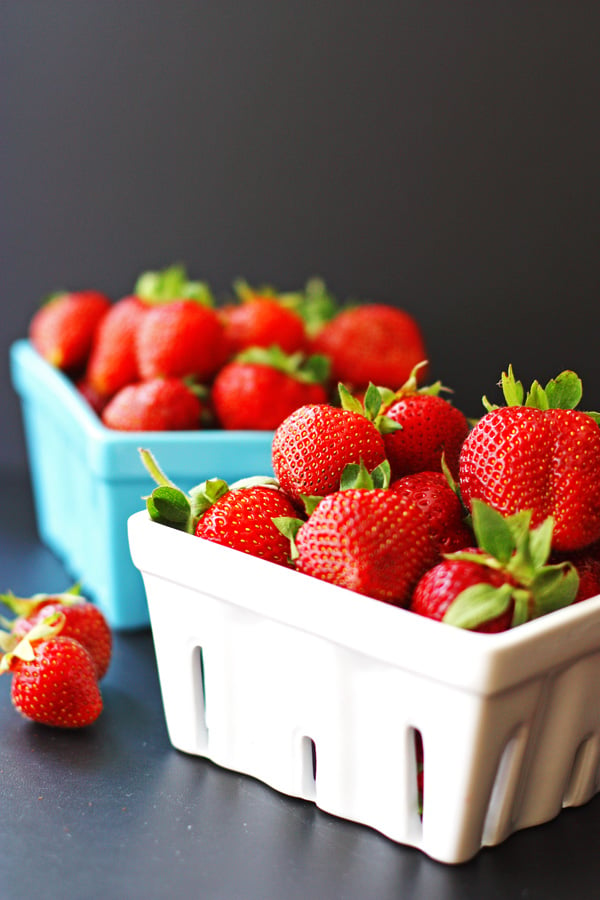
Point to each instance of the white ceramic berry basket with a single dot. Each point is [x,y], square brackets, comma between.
[318,692]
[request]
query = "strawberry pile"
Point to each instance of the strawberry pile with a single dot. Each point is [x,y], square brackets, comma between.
[57,648]
[398,497]
[169,357]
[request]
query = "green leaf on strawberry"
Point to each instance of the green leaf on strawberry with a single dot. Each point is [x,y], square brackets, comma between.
[563,392]
[172,283]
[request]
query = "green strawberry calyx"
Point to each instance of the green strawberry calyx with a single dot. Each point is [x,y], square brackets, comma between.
[309,370]
[371,407]
[563,392]
[22,648]
[172,283]
[25,606]
[171,506]
[315,305]
[412,386]
[510,545]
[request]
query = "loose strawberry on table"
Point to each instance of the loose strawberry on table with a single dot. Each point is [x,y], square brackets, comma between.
[261,387]
[538,453]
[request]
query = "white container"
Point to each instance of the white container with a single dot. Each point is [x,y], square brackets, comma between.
[318,692]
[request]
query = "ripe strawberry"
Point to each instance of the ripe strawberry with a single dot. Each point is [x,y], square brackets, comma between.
[240,516]
[443,509]
[159,404]
[80,620]
[312,447]
[502,582]
[113,361]
[180,339]
[587,563]
[62,330]
[58,686]
[431,427]
[538,454]
[262,320]
[371,343]
[260,388]
[371,540]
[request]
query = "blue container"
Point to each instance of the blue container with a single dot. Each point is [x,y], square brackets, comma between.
[88,479]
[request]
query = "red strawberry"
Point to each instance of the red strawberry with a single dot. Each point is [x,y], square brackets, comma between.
[371,540]
[58,686]
[535,455]
[81,620]
[587,563]
[502,582]
[312,447]
[371,343]
[62,330]
[242,519]
[431,428]
[445,513]
[113,361]
[240,516]
[261,387]
[180,339]
[95,400]
[159,404]
[262,320]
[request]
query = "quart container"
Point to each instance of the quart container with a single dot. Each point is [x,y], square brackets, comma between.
[88,479]
[319,692]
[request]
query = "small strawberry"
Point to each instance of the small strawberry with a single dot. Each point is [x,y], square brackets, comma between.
[180,339]
[62,330]
[366,538]
[312,447]
[260,388]
[538,453]
[371,343]
[113,362]
[430,427]
[80,620]
[502,582]
[239,516]
[445,513]
[262,320]
[54,679]
[159,404]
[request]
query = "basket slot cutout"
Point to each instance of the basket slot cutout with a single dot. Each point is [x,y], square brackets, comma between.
[308,756]
[583,779]
[417,766]
[200,696]
[504,794]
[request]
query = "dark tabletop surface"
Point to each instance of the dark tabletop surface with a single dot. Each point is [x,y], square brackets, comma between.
[114,811]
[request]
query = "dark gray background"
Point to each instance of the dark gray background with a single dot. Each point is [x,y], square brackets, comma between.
[441,156]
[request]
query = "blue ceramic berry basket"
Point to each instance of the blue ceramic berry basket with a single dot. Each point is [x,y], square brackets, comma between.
[88,479]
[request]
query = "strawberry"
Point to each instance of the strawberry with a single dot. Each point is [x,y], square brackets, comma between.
[368,539]
[430,427]
[180,339]
[262,320]
[62,330]
[538,453]
[80,620]
[445,513]
[159,404]
[57,686]
[113,362]
[587,563]
[260,388]
[502,582]
[371,343]
[312,447]
[239,516]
